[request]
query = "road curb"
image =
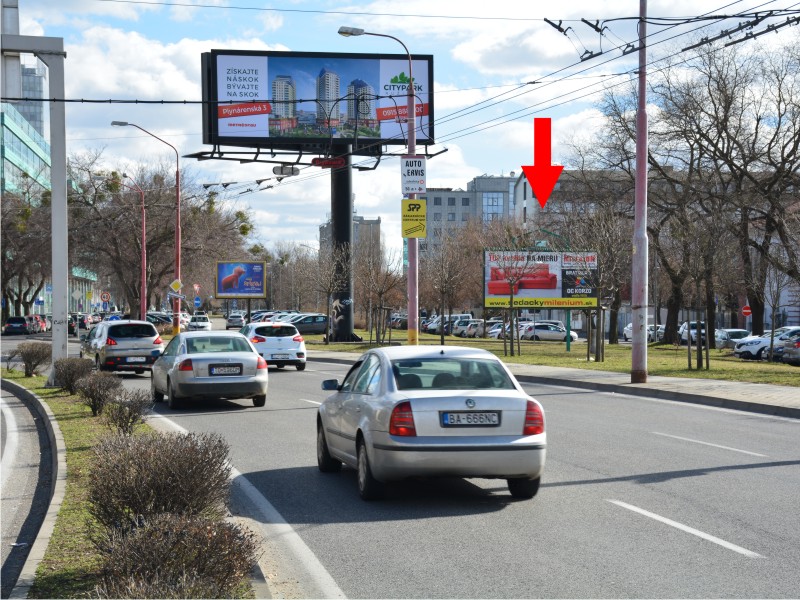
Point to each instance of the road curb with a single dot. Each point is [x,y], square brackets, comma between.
[58,486]
[642,392]
[689,398]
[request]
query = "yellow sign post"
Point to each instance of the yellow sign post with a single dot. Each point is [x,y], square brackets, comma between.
[414,218]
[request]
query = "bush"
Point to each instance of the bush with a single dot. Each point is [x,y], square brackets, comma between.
[142,476]
[126,410]
[69,371]
[175,556]
[97,389]
[34,355]
[164,329]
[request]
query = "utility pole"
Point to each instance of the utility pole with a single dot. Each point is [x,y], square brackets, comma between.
[639,295]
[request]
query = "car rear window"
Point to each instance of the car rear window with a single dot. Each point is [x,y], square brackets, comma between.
[450,373]
[282,331]
[217,344]
[16,320]
[132,330]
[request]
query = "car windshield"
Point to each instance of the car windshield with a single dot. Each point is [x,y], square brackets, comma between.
[450,373]
[200,319]
[132,330]
[217,344]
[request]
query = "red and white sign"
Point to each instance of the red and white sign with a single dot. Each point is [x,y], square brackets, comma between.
[746,310]
[105,296]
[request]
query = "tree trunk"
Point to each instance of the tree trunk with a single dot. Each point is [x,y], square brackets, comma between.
[674,303]
[613,319]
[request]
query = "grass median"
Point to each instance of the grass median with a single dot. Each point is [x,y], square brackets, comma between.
[71,564]
[662,359]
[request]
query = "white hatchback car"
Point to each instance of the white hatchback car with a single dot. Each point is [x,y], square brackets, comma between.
[199,323]
[278,342]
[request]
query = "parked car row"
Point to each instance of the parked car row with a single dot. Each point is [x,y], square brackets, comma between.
[757,347]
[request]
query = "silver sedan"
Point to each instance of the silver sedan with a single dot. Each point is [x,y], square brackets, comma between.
[436,411]
[209,365]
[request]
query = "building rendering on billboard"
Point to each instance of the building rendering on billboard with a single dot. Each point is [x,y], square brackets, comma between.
[540,279]
[274,99]
[241,279]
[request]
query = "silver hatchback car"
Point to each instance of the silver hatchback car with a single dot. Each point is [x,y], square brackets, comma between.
[431,411]
[123,345]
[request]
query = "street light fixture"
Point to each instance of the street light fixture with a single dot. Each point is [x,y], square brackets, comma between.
[413,243]
[176,306]
[143,292]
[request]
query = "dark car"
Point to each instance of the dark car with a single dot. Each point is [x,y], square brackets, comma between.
[72,325]
[310,323]
[17,325]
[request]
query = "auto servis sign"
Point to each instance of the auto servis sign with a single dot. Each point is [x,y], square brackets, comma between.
[537,279]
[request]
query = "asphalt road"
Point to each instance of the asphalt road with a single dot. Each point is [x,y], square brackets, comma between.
[640,498]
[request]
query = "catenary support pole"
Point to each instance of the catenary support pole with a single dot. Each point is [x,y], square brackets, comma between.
[639,295]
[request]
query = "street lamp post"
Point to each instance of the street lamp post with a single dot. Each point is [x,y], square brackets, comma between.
[413,243]
[143,292]
[176,306]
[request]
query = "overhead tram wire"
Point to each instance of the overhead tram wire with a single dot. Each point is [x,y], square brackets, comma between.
[487,124]
[478,127]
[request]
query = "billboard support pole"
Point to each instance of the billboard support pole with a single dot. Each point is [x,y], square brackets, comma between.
[342,240]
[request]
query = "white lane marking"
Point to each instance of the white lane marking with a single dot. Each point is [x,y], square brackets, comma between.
[677,437]
[277,531]
[688,529]
[311,401]
[10,443]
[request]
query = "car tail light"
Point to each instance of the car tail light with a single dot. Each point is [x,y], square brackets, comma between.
[186,365]
[797,344]
[257,339]
[158,341]
[402,420]
[534,419]
[298,338]
[111,342]
[262,364]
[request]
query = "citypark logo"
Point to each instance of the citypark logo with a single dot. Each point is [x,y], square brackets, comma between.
[400,82]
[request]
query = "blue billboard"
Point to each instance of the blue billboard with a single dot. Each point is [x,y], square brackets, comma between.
[241,279]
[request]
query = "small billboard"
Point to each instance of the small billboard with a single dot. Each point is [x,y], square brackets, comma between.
[288,99]
[539,279]
[241,279]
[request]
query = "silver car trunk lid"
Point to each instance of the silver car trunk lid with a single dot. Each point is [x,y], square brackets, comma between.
[202,362]
[468,412]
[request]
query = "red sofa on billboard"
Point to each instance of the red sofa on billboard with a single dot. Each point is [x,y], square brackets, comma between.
[534,277]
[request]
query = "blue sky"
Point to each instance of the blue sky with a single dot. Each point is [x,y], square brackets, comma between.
[486,57]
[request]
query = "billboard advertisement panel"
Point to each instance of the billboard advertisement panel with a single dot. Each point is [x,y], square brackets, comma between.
[275,99]
[540,279]
[241,279]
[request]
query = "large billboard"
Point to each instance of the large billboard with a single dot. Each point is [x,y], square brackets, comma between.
[540,279]
[241,279]
[290,99]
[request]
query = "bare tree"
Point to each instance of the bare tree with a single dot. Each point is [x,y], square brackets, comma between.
[377,274]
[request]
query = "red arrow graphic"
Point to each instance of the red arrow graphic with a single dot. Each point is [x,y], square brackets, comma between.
[542,175]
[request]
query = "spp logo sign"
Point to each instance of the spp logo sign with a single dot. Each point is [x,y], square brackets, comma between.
[414,207]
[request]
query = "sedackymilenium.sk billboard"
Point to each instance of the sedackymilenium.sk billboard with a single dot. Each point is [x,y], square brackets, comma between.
[288,99]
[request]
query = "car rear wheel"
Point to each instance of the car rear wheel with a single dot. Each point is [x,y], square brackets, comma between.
[369,488]
[325,462]
[301,366]
[536,338]
[260,400]
[172,400]
[523,487]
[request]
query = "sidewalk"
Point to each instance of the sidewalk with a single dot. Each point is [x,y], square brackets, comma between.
[762,398]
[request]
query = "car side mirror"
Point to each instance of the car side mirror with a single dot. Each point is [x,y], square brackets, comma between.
[330,385]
